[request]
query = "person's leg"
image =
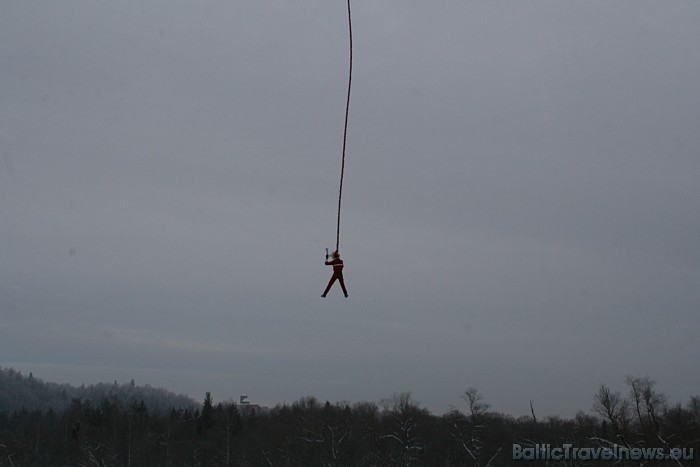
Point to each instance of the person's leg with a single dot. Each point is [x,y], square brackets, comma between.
[342,284]
[330,284]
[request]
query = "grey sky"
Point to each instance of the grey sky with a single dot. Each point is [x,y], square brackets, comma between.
[520,214]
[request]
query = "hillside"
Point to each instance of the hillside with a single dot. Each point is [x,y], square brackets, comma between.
[18,391]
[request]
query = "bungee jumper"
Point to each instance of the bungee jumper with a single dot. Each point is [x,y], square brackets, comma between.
[338,265]
[336,262]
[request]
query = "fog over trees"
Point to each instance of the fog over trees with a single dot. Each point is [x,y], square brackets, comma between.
[27,392]
[128,425]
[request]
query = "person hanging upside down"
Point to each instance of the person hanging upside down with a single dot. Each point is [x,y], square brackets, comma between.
[337,264]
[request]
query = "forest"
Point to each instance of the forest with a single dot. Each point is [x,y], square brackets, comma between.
[129,425]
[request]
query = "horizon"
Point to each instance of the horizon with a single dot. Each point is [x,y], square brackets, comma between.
[234,399]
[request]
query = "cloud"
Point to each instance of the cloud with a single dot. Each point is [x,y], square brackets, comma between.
[169,177]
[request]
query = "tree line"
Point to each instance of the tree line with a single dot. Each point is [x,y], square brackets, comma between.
[396,431]
[18,391]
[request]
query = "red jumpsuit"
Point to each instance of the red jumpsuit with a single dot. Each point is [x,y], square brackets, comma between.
[337,264]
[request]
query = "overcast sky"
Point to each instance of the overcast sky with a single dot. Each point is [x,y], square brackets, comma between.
[520,214]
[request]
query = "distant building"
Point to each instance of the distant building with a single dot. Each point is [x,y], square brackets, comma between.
[245,408]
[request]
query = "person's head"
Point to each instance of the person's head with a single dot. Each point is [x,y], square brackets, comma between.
[336,254]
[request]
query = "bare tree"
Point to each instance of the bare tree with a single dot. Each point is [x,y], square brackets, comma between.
[475,400]
[230,426]
[8,455]
[694,411]
[403,413]
[468,431]
[329,428]
[613,408]
[648,405]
